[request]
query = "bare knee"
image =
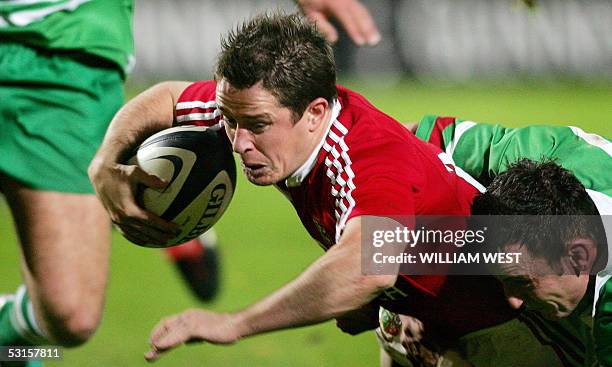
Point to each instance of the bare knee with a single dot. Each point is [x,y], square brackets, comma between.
[65,241]
[73,324]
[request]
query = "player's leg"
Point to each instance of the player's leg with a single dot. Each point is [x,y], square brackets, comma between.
[54,110]
[198,263]
[65,245]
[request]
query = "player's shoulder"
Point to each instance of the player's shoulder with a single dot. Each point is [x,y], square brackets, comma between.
[196,104]
[541,129]
[203,91]
[551,138]
[372,144]
[356,108]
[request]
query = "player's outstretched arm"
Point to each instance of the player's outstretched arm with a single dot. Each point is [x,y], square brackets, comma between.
[114,182]
[352,15]
[332,286]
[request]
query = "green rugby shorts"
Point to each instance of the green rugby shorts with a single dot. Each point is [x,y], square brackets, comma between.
[54,111]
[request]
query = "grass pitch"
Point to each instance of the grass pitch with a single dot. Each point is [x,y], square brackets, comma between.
[264,246]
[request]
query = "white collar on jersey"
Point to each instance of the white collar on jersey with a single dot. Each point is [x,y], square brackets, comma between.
[297,177]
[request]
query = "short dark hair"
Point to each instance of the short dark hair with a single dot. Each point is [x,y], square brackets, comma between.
[286,53]
[544,206]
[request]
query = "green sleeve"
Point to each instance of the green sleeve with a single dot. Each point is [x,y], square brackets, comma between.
[602,325]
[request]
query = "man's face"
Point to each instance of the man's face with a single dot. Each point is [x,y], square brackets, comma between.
[270,143]
[535,283]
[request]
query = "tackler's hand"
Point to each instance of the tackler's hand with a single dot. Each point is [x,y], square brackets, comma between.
[351,14]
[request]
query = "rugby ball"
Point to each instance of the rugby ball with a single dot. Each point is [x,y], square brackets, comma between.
[198,163]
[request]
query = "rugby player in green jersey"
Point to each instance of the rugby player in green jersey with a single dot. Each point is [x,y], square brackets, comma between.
[557,272]
[485,151]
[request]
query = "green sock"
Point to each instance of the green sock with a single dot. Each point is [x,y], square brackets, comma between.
[18,325]
[22,364]
[8,334]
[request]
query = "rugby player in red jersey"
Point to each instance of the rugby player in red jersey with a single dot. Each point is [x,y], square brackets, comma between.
[332,154]
[198,260]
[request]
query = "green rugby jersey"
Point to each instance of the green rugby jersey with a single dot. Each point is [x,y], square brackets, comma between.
[101,28]
[485,150]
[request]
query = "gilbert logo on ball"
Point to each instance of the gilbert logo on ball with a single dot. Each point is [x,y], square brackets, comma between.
[199,165]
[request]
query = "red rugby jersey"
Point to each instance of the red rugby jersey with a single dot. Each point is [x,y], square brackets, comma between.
[369,164]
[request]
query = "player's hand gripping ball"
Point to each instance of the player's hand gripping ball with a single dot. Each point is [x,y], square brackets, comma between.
[199,165]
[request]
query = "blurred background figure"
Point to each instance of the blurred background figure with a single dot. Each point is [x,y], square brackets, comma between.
[442,40]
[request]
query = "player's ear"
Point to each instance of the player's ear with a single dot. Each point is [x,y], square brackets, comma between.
[316,112]
[581,253]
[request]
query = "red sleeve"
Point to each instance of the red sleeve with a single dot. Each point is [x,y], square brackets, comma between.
[197,106]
